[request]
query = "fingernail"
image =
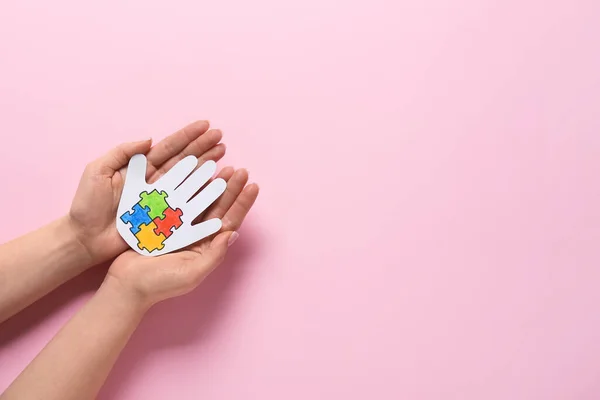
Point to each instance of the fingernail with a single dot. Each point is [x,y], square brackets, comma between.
[233,238]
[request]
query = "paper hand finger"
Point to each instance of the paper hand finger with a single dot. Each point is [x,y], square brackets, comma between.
[195,233]
[204,199]
[196,180]
[178,173]
[136,173]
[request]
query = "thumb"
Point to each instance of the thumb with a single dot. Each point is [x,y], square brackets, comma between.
[120,155]
[220,244]
[206,262]
[217,250]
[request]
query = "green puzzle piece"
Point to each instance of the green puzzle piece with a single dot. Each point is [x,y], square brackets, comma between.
[156,201]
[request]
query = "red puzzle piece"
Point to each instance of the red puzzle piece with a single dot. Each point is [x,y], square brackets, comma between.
[172,219]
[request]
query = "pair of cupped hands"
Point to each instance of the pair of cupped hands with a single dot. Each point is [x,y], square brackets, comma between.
[153,279]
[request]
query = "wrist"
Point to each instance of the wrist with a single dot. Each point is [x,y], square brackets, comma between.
[132,301]
[65,233]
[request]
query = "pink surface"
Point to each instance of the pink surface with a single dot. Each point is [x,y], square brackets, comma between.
[429,219]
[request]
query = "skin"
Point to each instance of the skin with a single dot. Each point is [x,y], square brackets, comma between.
[35,264]
[75,364]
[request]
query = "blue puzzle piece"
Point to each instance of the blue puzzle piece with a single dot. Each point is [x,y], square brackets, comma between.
[138,217]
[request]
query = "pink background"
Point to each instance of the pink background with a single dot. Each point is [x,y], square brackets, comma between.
[429,219]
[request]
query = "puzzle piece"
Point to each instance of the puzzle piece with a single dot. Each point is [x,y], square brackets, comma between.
[148,239]
[171,220]
[136,218]
[156,201]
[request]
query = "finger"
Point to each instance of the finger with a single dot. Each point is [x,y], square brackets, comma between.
[119,156]
[226,173]
[205,229]
[174,144]
[198,148]
[136,171]
[204,199]
[204,143]
[195,233]
[233,218]
[214,154]
[178,173]
[198,179]
[235,185]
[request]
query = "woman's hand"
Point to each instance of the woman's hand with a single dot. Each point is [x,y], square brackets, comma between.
[92,214]
[149,280]
[78,359]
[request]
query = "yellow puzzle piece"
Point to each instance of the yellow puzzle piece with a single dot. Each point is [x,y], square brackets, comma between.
[148,239]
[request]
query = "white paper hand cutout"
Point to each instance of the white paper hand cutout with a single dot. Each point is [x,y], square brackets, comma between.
[156,218]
